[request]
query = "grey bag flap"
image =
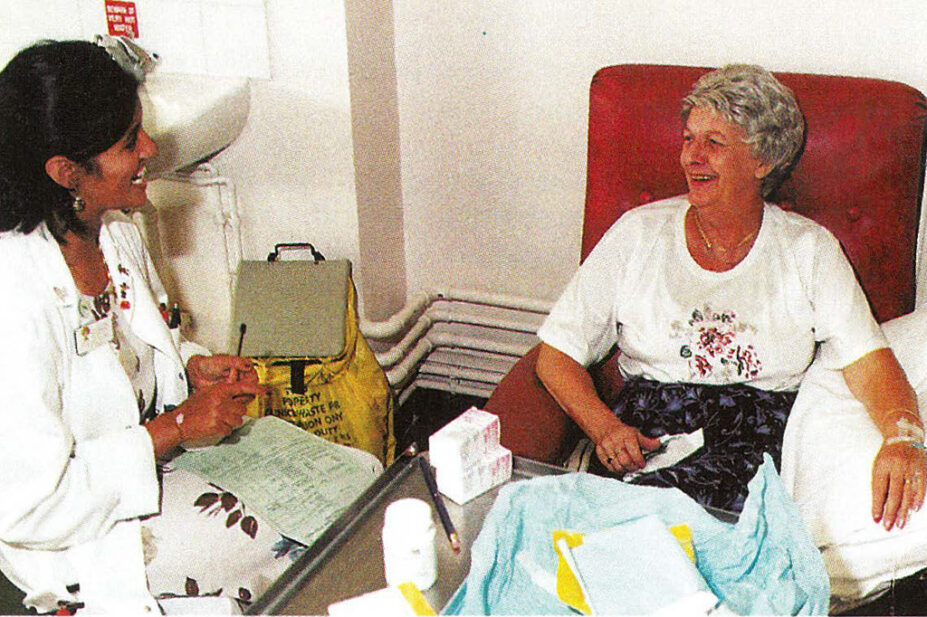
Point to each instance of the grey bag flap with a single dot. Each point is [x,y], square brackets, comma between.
[291,308]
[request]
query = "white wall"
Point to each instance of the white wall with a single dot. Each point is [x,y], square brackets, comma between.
[493,103]
[292,164]
[24,22]
[216,37]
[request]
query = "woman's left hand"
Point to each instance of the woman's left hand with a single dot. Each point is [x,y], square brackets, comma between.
[898,483]
[203,371]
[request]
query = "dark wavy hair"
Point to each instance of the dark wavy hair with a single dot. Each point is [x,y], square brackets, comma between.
[66,98]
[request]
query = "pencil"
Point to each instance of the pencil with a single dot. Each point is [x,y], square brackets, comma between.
[242,328]
[439,505]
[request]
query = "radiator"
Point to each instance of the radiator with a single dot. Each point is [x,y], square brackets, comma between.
[457,341]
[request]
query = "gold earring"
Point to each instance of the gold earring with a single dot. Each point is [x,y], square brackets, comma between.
[78,204]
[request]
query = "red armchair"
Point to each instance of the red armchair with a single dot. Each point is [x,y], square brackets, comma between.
[860,175]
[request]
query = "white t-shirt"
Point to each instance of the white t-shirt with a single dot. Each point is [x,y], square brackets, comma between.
[674,321]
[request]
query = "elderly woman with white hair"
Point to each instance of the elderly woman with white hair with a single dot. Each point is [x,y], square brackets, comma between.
[718,301]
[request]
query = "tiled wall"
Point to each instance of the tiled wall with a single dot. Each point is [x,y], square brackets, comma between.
[204,37]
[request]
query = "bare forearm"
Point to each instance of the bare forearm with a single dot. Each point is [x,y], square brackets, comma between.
[618,445]
[165,433]
[879,383]
[210,412]
[898,489]
[571,386]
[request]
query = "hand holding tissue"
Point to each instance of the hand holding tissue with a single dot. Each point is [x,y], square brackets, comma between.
[673,448]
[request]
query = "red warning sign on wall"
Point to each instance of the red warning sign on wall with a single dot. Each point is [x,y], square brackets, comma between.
[121,18]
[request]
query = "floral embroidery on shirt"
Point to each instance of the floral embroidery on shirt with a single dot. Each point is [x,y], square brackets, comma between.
[714,347]
[124,303]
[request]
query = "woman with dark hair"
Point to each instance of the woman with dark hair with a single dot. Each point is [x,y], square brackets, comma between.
[93,388]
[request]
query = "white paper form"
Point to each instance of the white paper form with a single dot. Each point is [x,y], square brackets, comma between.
[298,482]
[673,449]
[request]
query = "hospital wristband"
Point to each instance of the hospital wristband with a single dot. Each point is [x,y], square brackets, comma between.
[905,411]
[907,433]
[911,441]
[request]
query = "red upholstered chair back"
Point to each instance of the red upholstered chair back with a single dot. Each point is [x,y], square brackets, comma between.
[860,173]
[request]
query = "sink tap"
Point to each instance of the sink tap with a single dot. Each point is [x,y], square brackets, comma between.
[129,55]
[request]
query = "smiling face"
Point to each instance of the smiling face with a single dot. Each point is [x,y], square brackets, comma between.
[719,166]
[116,179]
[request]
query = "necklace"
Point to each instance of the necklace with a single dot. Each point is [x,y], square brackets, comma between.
[718,248]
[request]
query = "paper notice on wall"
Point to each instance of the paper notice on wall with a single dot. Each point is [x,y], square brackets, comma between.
[297,482]
[121,18]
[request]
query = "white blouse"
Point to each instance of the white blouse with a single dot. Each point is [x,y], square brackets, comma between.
[759,323]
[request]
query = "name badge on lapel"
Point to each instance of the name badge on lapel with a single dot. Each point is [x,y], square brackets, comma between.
[93,335]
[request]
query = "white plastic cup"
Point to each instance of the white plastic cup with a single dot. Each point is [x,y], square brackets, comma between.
[409,544]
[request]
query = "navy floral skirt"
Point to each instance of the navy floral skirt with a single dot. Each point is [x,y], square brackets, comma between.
[739,424]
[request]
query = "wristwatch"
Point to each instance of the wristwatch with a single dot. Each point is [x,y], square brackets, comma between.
[178,420]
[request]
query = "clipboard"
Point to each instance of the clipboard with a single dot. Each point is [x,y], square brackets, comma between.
[293,307]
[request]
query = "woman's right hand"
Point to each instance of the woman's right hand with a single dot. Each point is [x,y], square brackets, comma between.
[208,413]
[216,410]
[621,447]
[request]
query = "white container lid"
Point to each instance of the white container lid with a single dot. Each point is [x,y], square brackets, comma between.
[408,515]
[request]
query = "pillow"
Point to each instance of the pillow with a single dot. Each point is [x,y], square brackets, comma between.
[828,449]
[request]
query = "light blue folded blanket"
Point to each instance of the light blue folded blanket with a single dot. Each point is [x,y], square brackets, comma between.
[765,564]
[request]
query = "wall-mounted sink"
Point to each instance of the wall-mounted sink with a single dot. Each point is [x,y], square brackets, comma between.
[191,117]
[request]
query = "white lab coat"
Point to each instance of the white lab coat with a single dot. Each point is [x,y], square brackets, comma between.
[76,468]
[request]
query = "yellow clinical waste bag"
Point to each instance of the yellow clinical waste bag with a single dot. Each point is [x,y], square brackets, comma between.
[343,397]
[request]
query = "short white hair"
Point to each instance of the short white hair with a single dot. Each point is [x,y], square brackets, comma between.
[749,97]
